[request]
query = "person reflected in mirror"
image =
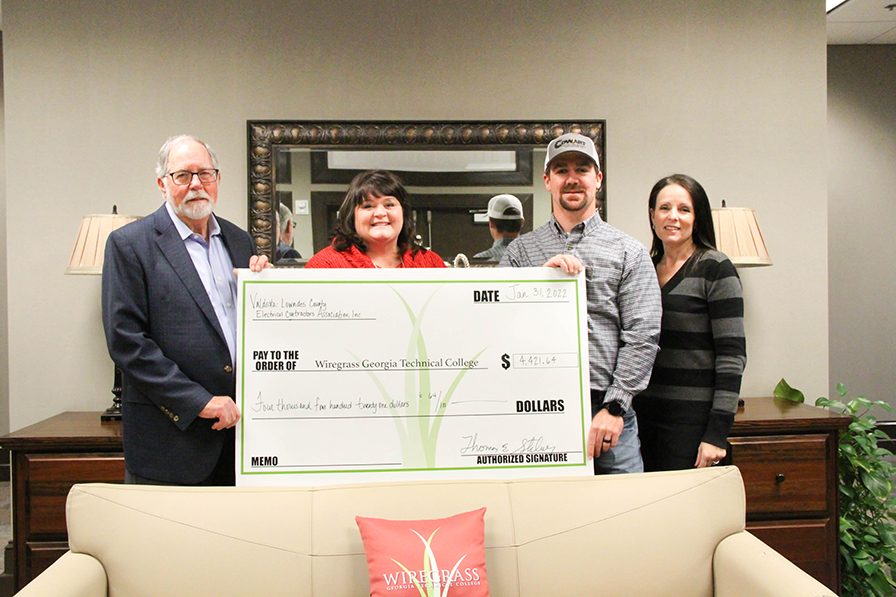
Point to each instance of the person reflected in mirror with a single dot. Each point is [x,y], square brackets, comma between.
[686,412]
[375,228]
[285,230]
[169,295]
[623,303]
[505,220]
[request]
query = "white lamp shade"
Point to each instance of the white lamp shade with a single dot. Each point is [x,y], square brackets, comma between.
[738,237]
[87,256]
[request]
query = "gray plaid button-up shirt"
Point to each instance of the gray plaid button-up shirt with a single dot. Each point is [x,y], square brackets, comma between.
[624,306]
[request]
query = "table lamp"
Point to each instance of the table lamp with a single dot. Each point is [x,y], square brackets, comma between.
[87,258]
[738,236]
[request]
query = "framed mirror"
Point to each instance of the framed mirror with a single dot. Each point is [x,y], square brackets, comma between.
[450,169]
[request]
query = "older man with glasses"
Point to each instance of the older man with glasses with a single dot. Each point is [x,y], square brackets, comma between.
[169,312]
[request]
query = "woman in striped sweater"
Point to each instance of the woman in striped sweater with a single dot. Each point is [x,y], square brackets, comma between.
[686,412]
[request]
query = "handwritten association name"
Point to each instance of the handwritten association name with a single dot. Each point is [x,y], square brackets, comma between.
[282,308]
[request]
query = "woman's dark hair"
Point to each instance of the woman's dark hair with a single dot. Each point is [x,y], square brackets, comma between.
[372,183]
[704,234]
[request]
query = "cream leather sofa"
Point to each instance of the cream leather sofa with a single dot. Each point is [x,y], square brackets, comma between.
[669,534]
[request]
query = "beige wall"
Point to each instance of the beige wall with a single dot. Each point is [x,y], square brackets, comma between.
[861,193]
[4,321]
[731,92]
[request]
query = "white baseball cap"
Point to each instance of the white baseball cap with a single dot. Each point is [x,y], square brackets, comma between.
[571,142]
[498,204]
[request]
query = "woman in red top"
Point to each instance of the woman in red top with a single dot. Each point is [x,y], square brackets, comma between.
[375,228]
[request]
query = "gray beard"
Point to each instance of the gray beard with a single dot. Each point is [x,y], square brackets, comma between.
[194,211]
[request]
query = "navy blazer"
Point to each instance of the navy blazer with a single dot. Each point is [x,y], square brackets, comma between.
[162,331]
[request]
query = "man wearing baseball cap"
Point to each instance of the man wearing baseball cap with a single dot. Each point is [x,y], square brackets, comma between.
[624,308]
[505,220]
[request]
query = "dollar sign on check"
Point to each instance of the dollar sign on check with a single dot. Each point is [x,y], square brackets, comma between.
[505,361]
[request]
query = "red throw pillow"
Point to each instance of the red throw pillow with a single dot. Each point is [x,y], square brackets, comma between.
[432,558]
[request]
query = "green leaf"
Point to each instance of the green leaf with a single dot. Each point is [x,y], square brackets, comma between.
[878,580]
[879,434]
[878,486]
[830,404]
[869,567]
[863,401]
[861,425]
[785,392]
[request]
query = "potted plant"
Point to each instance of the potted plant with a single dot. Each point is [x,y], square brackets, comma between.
[867,506]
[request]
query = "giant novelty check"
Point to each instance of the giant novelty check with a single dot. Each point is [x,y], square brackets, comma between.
[356,375]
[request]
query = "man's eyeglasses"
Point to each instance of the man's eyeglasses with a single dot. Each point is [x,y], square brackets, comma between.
[183,177]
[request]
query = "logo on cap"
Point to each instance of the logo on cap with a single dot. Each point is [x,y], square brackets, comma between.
[571,142]
[561,142]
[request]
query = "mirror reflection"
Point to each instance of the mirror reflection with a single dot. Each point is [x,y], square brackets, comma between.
[300,172]
[450,202]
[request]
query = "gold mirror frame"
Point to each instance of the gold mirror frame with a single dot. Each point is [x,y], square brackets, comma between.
[265,135]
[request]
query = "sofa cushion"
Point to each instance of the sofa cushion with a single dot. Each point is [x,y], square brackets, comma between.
[406,558]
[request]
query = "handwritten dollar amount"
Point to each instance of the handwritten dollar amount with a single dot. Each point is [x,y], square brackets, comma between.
[541,360]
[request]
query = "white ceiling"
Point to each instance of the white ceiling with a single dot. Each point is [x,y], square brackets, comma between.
[863,22]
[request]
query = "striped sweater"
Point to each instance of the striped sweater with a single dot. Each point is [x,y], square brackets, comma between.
[697,374]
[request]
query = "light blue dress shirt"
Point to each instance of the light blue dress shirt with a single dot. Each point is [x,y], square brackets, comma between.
[215,269]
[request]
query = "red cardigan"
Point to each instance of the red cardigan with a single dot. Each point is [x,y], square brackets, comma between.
[331,258]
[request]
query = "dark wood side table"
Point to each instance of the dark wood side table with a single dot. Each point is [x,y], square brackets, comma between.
[787,454]
[47,458]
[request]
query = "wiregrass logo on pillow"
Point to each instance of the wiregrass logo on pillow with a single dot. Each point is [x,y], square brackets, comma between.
[426,558]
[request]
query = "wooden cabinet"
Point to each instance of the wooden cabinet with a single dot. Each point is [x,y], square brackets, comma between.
[787,455]
[46,460]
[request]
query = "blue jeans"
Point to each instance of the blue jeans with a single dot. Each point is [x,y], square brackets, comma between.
[626,456]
